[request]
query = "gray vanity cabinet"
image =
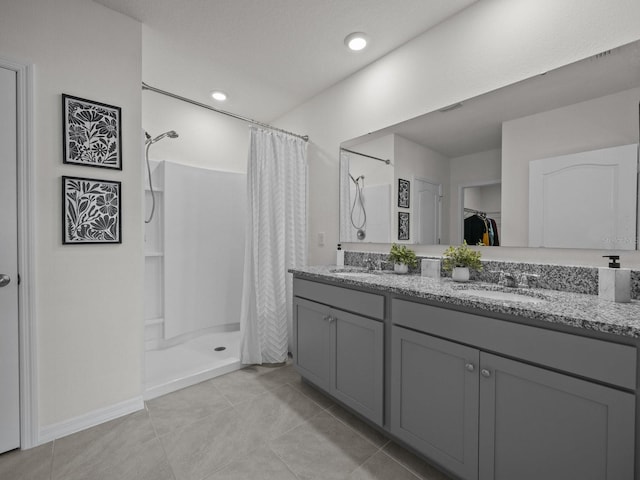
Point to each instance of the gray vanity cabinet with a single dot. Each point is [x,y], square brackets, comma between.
[312,355]
[484,416]
[358,347]
[339,351]
[484,398]
[434,398]
[536,424]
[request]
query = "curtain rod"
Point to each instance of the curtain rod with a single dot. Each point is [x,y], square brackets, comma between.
[473,210]
[146,86]
[385,160]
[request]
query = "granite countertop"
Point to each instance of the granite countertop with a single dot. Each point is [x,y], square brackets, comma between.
[573,309]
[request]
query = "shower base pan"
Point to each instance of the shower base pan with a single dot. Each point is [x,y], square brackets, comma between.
[191,362]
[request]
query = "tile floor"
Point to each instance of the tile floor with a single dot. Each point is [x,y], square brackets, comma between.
[258,423]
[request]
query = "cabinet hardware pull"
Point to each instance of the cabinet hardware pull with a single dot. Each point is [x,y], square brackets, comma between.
[485,373]
[327,318]
[469,367]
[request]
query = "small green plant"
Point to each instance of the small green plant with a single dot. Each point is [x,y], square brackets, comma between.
[461,256]
[402,254]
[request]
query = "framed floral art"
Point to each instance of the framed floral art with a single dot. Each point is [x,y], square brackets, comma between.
[403,193]
[92,133]
[91,211]
[403,225]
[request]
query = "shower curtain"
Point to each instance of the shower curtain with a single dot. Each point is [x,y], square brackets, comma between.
[276,240]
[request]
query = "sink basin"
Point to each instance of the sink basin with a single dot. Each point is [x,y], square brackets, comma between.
[503,296]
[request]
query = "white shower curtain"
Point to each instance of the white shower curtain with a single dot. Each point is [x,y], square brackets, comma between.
[276,240]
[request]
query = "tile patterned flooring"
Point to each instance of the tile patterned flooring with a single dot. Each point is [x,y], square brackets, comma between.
[258,423]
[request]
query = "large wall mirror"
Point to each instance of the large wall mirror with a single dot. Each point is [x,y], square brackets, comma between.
[551,161]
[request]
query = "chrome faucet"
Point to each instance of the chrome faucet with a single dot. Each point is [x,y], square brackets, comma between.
[512,280]
[507,279]
[370,263]
[526,279]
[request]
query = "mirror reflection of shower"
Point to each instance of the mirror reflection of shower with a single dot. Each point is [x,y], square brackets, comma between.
[148,142]
[358,200]
[354,165]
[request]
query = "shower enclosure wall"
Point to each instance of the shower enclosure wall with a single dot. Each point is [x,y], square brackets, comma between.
[194,256]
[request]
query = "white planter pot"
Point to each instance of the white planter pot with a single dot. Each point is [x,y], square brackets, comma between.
[460,274]
[400,268]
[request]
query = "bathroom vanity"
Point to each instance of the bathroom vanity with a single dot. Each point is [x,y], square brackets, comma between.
[541,385]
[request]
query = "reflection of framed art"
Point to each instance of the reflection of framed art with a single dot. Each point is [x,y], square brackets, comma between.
[403,193]
[403,225]
[91,133]
[91,211]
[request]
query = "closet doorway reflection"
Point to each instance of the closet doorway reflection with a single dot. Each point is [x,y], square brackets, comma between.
[481,213]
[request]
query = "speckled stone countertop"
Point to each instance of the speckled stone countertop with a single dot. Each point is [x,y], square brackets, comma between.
[566,308]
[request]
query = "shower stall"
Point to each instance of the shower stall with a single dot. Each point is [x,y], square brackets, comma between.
[194,258]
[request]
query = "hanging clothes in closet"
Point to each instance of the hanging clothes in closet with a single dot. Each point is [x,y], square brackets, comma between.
[480,229]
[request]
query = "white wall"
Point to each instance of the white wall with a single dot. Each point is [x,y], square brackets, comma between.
[89,298]
[489,45]
[206,139]
[413,159]
[599,123]
[485,199]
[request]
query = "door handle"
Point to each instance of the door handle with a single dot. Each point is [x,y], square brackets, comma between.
[4,280]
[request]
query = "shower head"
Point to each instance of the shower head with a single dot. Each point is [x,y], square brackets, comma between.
[170,134]
[356,180]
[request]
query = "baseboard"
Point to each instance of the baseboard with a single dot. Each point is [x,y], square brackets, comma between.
[88,420]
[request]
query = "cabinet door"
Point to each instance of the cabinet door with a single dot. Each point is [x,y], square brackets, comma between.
[434,399]
[359,364]
[537,424]
[312,341]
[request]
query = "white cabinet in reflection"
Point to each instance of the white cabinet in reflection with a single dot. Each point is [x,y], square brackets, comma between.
[584,200]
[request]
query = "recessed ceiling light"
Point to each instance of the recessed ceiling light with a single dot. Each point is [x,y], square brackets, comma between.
[218,95]
[356,41]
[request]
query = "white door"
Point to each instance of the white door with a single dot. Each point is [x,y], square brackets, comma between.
[584,200]
[9,373]
[427,213]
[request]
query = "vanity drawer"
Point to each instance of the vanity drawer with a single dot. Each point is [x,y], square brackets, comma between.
[599,360]
[363,303]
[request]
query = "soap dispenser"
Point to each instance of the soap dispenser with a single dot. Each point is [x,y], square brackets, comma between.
[614,283]
[340,256]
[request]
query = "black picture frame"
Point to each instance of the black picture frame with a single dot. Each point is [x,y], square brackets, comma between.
[403,193]
[403,225]
[92,133]
[91,211]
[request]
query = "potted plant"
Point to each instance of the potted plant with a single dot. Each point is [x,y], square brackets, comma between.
[458,261]
[402,258]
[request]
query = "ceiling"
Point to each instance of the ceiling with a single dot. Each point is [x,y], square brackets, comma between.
[269,56]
